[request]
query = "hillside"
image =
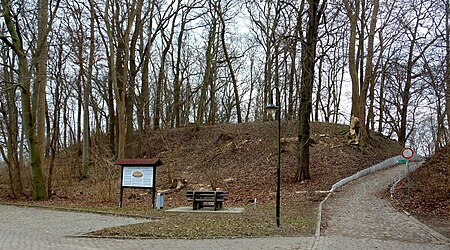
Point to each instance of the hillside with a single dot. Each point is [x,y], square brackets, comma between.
[240,158]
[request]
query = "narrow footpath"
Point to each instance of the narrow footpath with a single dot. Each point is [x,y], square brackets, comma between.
[354,217]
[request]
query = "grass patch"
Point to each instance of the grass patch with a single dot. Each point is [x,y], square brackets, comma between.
[295,221]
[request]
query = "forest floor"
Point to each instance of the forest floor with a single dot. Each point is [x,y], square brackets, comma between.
[239,158]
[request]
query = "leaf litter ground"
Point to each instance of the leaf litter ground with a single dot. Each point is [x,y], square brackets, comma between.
[239,158]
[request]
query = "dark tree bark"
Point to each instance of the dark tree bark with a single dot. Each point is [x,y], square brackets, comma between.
[54,137]
[177,81]
[308,63]
[447,77]
[208,77]
[32,99]
[131,89]
[87,93]
[230,67]
[9,128]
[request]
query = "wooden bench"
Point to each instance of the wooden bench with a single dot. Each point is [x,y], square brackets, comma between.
[207,198]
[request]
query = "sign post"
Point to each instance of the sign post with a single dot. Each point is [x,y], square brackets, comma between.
[407,154]
[138,173]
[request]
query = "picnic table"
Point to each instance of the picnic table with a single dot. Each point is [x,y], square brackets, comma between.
[207,198]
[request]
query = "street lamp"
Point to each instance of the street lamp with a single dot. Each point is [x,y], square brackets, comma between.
[272,108]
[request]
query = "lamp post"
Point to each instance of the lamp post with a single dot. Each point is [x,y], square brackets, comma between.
[272,108]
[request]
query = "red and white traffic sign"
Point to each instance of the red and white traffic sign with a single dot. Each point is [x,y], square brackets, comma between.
[407,153]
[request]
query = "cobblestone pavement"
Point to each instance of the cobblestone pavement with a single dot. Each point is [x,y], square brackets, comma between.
[357,212]
[34,228]
[356,219]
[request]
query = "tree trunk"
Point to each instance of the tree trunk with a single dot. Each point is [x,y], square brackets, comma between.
[447,80]
[230,67]
[338,95]
[405,94]
[162,75]
[352,62]
[118,62]
[55,135]
[213,89]
[308,62]
[360,85]
[292,81]
[158,97]
[133,71]
[145,93]
[33,103]
[318,92]
[144,97]
[177,81]
[381,99]
[80,103]
[252,84]
[370,123]
[368,75]
[87,94]
[120,80]
[29,124]
[10,111]
[208,76]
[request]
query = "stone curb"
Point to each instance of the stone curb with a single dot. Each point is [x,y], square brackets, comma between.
[80,210]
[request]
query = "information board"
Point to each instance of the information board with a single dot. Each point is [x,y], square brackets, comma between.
[137,176]
[138,173]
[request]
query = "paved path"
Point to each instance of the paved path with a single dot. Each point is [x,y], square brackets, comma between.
[356,218]
[34,228]
[357,212]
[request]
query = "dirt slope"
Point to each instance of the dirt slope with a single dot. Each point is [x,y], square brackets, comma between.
[240,158]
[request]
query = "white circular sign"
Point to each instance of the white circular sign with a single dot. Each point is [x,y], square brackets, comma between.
[407,153]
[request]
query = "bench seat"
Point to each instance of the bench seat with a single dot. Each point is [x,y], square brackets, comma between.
[207,198]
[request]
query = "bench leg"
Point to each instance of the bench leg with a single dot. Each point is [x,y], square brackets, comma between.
[215,201]
[194,202]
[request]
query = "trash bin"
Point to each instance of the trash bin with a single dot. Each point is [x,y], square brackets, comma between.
[159,200]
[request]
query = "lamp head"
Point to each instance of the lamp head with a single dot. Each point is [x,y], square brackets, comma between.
[271,108]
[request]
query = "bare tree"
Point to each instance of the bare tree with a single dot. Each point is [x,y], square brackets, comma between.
[447,76]
[309,45]
[418,43]
[9,128]
[54,124]
[209,72]
[33,99]
[265,19]
[118,33]
[360,84]
[87,93]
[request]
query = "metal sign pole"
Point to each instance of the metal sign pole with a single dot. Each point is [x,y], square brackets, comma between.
[407,154]
[408,178]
